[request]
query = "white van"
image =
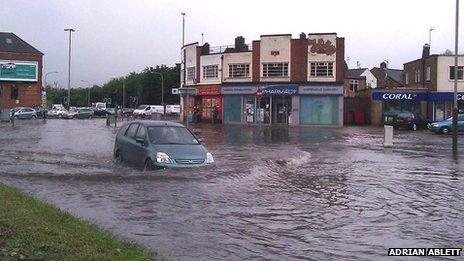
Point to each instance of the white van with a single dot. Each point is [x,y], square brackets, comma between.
[147,110]
[173,109]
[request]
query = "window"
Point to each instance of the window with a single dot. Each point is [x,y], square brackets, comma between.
[14,92]
[132,130]
[275,69]
[210,71]
[239,70]
[324,69]
[417,76]
[354,84]
[460,72]
[171,135]
[427,73]
[141,133]
[406,78]
[191,73]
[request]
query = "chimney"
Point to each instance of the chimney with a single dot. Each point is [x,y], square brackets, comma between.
[240,45]
[302,36]
[205,49]
[383,65]
[425,51]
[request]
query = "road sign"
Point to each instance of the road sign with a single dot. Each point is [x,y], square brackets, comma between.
[259,93]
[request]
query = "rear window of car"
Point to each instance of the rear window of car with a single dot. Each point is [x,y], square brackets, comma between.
[141,133]
[132,130]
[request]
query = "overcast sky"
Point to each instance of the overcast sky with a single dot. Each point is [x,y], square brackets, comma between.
[116,37]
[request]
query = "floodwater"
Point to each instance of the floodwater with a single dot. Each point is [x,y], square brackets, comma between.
[274,193]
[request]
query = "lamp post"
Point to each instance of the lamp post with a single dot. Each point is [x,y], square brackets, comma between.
[455,100]
[45,83]
[88,92]
[162,91]
[70,30]
[430,36]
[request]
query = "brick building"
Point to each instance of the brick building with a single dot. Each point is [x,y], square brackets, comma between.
[20,73]
[301,80]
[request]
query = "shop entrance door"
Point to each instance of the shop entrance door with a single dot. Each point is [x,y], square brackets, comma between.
[281,106]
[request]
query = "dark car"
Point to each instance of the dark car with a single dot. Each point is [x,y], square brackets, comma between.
[83,113]
[159,144]
[409,121]
[127,112]
[41,112]
[100,112]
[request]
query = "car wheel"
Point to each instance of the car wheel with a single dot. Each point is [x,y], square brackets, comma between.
[118,156]
[33,117]
[445,130]
[414,127]
[148,165]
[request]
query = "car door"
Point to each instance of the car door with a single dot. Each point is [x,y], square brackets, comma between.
[140,148]
[128,143]
[461,123]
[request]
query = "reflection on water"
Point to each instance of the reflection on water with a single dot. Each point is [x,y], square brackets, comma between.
[274,193]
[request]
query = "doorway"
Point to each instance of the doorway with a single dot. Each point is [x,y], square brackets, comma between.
[281,108]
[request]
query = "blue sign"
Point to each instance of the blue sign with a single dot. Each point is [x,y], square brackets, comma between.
[280,90]
[403,96]
[445,96]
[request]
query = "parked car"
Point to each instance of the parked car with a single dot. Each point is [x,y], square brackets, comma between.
[100,112]
[57,113]
[148,110]
[127,112]
[409,121]
[79,113]
[25,113]
[445,127]
[173,109]
[41,112]
[159,144]
[111,111]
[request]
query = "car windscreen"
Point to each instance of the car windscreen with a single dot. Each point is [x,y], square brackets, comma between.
[171,135]
[142,107]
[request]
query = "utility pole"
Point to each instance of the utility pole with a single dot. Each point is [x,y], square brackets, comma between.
[183,29]
[455,100]
[162,91]
[430,36]
[70,30]
[202,38]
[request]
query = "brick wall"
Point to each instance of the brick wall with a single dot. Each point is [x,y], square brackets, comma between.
[256,61]
[299,60]
[341,67]
[29,93]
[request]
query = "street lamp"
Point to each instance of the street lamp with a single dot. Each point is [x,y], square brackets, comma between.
[455,100]
[88,92]
[70,30]
[162,91]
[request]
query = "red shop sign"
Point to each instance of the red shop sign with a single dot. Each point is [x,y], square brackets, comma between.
[209,90]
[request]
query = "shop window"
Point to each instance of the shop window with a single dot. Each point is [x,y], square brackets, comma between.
[191,73]
[427,73]
[210,71]
[239,70]
[460,72]
[14,92]
[275,69]
[319,110]
[323,69]
[354,85]
[406,78]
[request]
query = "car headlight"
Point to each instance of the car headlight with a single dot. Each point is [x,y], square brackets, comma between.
[434,125]
[162,157]
[209,158]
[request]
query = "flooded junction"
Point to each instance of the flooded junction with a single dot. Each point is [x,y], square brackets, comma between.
[274,193]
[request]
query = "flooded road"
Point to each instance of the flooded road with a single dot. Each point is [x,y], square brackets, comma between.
[278,194]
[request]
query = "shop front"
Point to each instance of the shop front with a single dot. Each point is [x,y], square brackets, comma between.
[240,104]
[395,102]
[208,104]
[441,105]
[321,105]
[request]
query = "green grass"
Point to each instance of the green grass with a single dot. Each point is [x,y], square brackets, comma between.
[30,229]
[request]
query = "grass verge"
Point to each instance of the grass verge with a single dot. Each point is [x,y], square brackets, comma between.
[30,229]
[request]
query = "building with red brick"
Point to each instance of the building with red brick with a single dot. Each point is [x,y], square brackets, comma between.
[20,73]
[301,80]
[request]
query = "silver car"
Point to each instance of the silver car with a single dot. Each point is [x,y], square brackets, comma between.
[24,113]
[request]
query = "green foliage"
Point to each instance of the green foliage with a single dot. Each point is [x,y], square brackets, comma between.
[145,86]
[31,230]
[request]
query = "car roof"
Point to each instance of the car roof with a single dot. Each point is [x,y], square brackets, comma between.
[160,123]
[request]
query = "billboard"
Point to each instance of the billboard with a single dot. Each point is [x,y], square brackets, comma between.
[18,71]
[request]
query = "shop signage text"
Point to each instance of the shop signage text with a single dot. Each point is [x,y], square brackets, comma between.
[386,96]
[280,90]
[239,90]
[209,90]
[321,89]
[18,71]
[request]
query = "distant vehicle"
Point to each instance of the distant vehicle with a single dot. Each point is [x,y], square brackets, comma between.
[99,112]
[173,109]
[40,111]
[127,112]
[99,105]
[111,111]
[147,110]
[25,113]
[56,113]
[58,107]
[409,121]
[159,144]
[79,113]
[446,126]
